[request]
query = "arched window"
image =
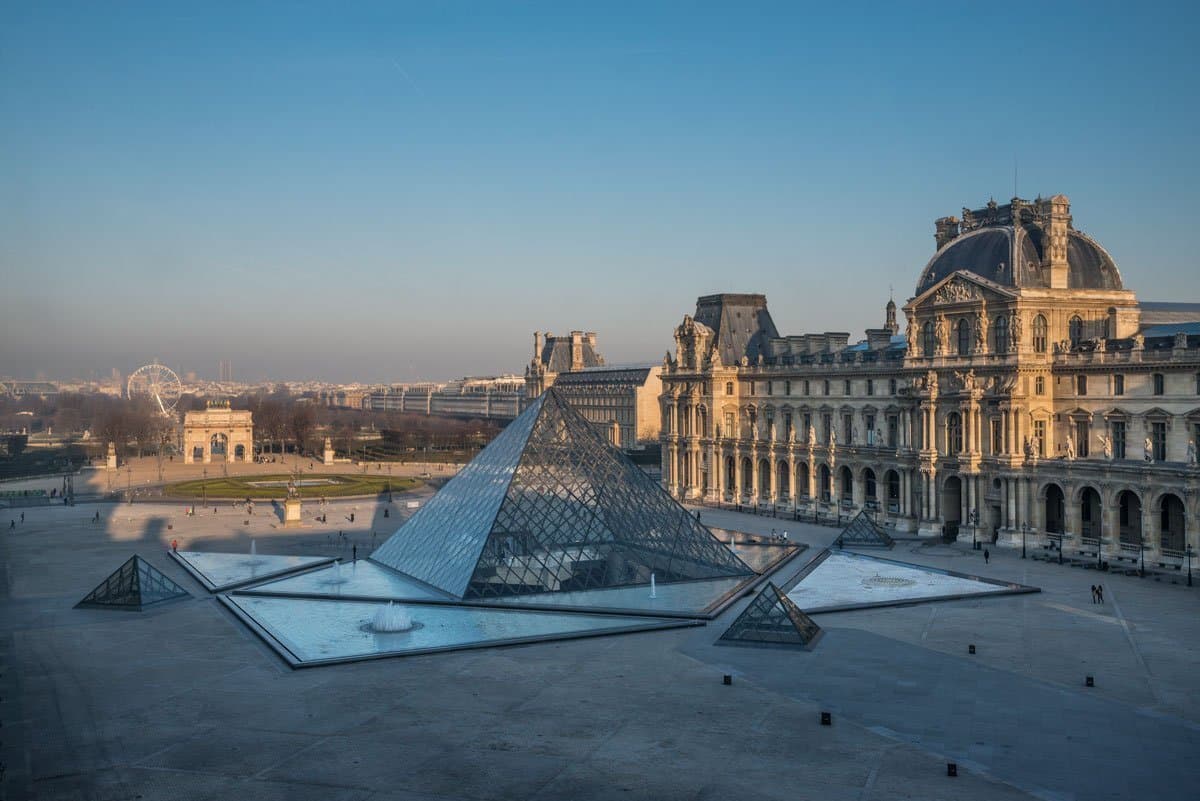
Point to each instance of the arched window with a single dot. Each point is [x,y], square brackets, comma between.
[1000,335]
[954,433]
[928,343]
[964,337]
[1039,334]
[1075,330]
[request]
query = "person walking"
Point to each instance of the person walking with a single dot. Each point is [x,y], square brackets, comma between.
[1100,592]
[22,517]
[354,553]
[987,556]
[1094,593]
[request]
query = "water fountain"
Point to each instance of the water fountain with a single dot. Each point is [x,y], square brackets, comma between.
[653,587]
[392,618]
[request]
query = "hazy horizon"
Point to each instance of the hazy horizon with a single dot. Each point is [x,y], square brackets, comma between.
[393,192]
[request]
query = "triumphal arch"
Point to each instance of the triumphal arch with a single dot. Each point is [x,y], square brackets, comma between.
[218,433]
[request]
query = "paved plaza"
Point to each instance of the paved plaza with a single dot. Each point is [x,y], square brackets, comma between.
[183,701]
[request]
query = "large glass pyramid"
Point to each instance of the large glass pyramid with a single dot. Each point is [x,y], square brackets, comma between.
[550,506]
[772,619]
[134,586]
[862,530]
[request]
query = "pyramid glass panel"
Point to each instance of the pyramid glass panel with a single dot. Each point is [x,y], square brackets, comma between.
[568,512]
[772,619]
[863,531]
[134,585]
[440,544]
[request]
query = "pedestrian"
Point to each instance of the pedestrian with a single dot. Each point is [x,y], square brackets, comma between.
[1100,592]
[12,523]
[354,553]
[22,517]
[1094,593]
[987,556]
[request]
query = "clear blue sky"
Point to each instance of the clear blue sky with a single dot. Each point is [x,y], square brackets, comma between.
[382,192]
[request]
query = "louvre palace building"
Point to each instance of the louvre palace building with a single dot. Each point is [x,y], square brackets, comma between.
[1030,397]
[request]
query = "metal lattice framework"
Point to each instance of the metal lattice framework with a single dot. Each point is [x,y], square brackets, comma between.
[133,586]
[772,619]
[551,506]
[157,382]
[863,531]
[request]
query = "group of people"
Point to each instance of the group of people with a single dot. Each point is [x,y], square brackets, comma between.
[1097,594]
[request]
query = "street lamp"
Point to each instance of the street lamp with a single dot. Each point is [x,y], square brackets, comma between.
[1024,531]
[973,519]
[204,489]
[1188,552]
[129,482]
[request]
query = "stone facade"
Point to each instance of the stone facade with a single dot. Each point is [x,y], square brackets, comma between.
[620,402]
[1027,398]
[218,434]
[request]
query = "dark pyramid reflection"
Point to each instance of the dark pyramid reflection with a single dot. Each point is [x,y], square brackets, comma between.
[772,618]
[133,586]
[550,506]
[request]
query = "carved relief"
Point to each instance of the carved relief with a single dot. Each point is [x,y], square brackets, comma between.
[957,292]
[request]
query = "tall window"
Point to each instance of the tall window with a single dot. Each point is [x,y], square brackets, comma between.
[848,428]
[770,387]
[1039,435]
[1159,384]
[892,385]
[964,337]
[1039,334]
[869,420]
[846,388]
[1118,439]
[730,425]
[1198,383]
[728,387]
[954,434]
[807,425]
[1082,434]
[787,425]
[928,340]
[1158,438]
[826,426]
[1075,330]
[826,387]
[997,437]
[893,430]
[870,386]
[787,387]
[1000,335]
[1118,385]
[1039,385]
[1081,385]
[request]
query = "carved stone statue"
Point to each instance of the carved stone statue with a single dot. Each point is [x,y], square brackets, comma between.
[812,435]
[833,437]
[939,333]
[1070,448]
[715,359]
[771,430]
[1191,452]
[931,382]
[980,332]
[791,434]
[911,334]
[1139,342]
[1148,450]
[966,380]
[1014,329]
[1106,443]
[853,435]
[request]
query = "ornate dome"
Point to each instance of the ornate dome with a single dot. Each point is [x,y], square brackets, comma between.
[1006,245]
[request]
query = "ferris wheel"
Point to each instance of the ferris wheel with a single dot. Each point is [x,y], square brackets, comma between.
[157,382]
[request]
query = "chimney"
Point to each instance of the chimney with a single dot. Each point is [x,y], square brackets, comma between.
[576,350]
[945,230]
[537,345]
[1056,212]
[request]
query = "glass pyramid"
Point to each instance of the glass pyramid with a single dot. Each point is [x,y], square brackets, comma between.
[862,530]
[134,586]
[550,506]
[772,619]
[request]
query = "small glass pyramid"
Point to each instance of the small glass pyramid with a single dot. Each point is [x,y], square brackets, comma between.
[133,586]
[772,619]
[551,506]
[862,530]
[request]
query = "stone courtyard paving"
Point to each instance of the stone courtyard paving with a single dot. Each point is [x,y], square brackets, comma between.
[184,702]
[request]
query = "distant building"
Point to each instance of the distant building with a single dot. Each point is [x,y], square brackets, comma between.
[576,351]
[225,371]
[620,402]
[1032,398]
[21,389]
[218,434]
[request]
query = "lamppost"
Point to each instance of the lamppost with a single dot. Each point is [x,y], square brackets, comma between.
[1188,552]
[389,484]
[204,489]
[129,482]
[1024,531]
[973,519]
